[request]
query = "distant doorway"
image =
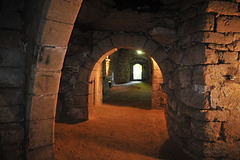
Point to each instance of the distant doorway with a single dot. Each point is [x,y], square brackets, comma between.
[137,72]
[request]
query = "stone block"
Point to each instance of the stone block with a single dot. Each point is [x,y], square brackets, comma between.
[188,14]
[105,45]
[43,153]
[229,57]
[10,39]
[118,40]
[40,133]
[232,129]
[64,11]
[96,53]
[150,47]
[159,55]
[219,47]
[11,58]
[212,75]
[84,75]
[228,24]
[80,89]
[138,41]
[46,83]
[52,33]
[80,100]
[199,54]
[162,31]
[12,77]
[185,77]
[198,23]
[233,150]
[213,37]
[11,113]
[50,59]
[234,46]
[11,133]
[207,131]
[10,20]
[128,41]
[194,99]
[41,107]
[11,96]
[226,97]
[220,7]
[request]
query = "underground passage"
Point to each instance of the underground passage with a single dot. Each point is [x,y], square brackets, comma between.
[119,79]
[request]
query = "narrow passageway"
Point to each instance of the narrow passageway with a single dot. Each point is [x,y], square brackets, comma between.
[124,128]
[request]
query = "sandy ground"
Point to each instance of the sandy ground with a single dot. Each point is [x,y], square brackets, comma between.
[127,131]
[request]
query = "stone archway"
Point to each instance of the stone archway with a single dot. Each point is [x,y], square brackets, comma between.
[83,104]
[49,28]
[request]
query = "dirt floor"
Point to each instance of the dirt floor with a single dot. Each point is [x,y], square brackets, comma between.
[124,128]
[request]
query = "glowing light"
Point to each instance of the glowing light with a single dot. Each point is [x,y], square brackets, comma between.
[137,72]
[107,65]
[140,52]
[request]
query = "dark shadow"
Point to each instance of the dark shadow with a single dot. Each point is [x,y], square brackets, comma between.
[133,94]
[171,151]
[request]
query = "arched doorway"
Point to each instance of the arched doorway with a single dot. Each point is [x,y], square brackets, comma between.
[137,71]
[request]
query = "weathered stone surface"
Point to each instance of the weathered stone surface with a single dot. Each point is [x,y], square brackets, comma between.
[96,53]
[54,33]
[50,59]
[198,23]
[11,96]
[11,58]
[219,47]
[228,24]
[80,88]
[199,54]
[11,133]
[212,75]
[40,133]
[46,83]
[226,97]
[159,55]
[64,11]
[105,45]
[194,99]
[162,31]
[10,39]
[11,77]
[229,57]
[138,41]
[220,7]
[46,105]
[232,129]
[118,40]
[43,153]
[11,113]
[150,47]
[128,41]
[234,46]
[84,75]
[207,131]
[80,100]
[185,77]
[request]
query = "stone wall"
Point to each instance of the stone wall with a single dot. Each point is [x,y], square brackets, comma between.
[12,80]
[122,62]
[203,93]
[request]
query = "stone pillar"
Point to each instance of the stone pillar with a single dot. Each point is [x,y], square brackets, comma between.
[204,111]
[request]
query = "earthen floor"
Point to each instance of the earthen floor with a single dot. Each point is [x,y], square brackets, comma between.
[119,132]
